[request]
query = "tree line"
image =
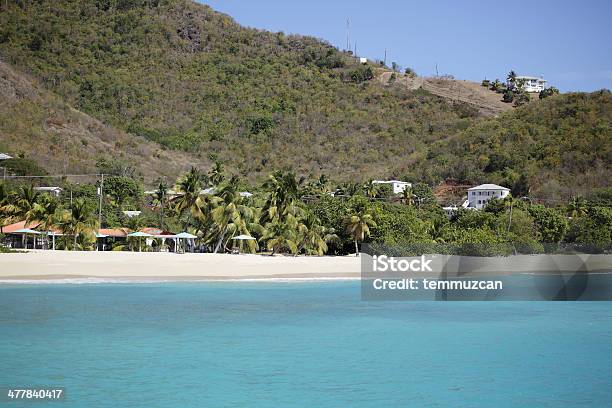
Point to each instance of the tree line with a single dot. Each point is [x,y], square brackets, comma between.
[295,216]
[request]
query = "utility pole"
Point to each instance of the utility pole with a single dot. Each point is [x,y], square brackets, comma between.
[348,34]
[101,194]
[436,69]
[385,60]
[163,198]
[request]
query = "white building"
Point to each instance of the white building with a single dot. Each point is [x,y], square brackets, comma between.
[397,185]
[531,84]
[479,195]
[4,156]
[54,191]
[363,60]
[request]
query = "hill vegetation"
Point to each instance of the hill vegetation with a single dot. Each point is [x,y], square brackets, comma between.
[282,222]
[58,139]
[191,79]
[555,148]
[167,84]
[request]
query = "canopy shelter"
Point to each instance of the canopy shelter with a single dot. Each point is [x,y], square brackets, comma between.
[183,236]
[25,232]
[242,237]
[140,235]
[32,228]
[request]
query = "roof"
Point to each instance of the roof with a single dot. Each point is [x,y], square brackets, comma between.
[114,232]
[21,225]
[389,181]
[156,231]
[529,77]
[7,229]
[4,156]
[47,188]
[139,234]
[488,187]
[185,235]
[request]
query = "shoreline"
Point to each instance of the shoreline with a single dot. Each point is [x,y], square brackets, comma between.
[58,266]
[44,266]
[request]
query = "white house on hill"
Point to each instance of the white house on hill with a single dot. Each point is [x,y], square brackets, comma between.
[397,185]
[479,195]
[531,84]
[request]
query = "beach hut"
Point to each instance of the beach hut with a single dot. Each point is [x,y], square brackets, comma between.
[24,232]
[185,236]
[140,235]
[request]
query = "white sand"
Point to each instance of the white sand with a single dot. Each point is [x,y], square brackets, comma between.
[52,265]
[66,264]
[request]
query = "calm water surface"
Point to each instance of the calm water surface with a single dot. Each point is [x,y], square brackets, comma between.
[299,345]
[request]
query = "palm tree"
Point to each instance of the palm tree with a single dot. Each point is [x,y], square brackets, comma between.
[322,184]
[5,214]
[229,217]
[189,187]
[358,227]
[225,211]
[279,236]
[46,213]
[80,219]
[282,194]
[24,204]
[511,78]
[160,198]
[216,174]
[314,237]
[577,207]
[408,197]
[371,190]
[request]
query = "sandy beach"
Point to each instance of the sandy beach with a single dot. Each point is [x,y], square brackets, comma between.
[43,265]
[54,265]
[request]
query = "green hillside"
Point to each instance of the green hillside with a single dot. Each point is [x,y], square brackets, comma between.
[555,148]
[180,74]
[193,86]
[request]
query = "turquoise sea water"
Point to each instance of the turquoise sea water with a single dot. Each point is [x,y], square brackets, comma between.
[299,345]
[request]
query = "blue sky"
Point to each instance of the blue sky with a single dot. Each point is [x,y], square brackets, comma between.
[567,42]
